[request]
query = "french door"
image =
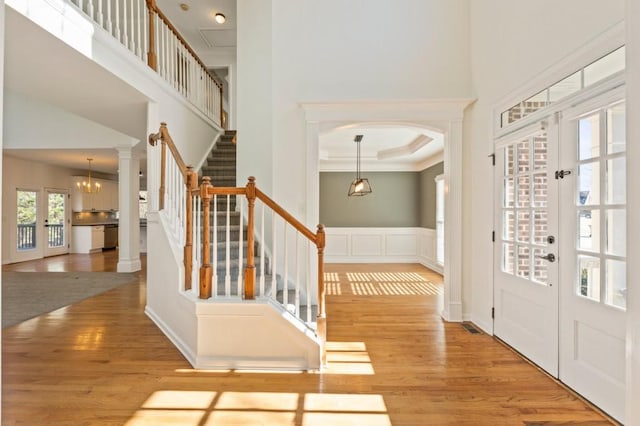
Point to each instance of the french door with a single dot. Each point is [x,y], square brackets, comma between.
[593,252]
[525,258]
[560,247]
[56,222]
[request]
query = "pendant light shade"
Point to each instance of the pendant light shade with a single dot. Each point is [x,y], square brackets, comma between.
[360,186]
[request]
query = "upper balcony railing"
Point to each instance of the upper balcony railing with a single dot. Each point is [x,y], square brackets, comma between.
[141,27]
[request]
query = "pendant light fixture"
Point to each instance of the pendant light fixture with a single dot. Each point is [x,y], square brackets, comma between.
[89,186]
[360,186]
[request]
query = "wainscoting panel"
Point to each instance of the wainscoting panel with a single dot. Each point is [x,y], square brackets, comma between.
[382,245]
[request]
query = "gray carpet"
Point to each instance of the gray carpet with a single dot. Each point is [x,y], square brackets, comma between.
[29,294]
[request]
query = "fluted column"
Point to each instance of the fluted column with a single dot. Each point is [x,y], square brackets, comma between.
[129,222]
[452,310]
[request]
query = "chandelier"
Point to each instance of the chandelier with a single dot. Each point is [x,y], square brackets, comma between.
[89,186]
[360,186]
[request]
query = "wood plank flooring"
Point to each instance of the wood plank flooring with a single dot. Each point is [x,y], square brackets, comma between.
[392,360]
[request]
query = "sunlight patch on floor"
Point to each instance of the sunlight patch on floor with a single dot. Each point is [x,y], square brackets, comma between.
[348,358]
[187,407]
[381,284]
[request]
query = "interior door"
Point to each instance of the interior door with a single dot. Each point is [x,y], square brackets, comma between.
[56,223]
[525,258]
[593,249]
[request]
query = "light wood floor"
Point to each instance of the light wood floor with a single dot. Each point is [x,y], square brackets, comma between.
[392,360]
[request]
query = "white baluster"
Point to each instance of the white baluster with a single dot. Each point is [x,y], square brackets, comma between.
[109,26]
[285,285]
[125,28]
[215,244]
[80,4]
[90,8]
[262,245]
[297,283]
[240,245]
[132,37]
[100,15]
[117,20]
[308,282]
[145,32]
[139,35]
[227,240]
[274,265]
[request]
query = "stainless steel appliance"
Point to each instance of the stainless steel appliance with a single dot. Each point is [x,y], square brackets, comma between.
[110,236]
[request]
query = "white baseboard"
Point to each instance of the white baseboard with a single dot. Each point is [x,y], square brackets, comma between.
[184,349]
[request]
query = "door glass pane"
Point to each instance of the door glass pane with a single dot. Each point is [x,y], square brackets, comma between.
[589,137]
[509,158]
[540,152]
[524,226]
[508,225]
[524,191]
[523,266]
[540,266]
[617,232]
[616,129]
[566,87]
[589,230]
[540,227]
[508,257]
[55,220]
[540,190]
[509,192]
[589,277]
[589,184]
[27,219]
[524,157]
[604,67]
[616,181]
[616,283]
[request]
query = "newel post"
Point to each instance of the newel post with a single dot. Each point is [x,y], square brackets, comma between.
[250,268]
[152,58]
[192,184]
[322,315]
[205,269]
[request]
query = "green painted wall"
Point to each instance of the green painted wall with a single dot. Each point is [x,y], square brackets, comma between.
[399,199]
[428,198]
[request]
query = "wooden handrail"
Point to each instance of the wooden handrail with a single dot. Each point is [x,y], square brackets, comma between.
[165,138]
[286,216]
[163,135]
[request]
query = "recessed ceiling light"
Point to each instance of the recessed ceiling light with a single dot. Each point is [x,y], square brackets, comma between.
[184,6]
[220,18]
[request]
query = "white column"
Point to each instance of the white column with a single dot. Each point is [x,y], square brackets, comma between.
[129,222]
[632,25]
[452,309]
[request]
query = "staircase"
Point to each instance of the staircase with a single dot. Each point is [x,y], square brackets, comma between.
[221,168]
[209,252]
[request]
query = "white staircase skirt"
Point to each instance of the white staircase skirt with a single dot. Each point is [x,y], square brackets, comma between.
[225,333]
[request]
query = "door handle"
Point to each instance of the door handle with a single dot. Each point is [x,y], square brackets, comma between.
[550,257]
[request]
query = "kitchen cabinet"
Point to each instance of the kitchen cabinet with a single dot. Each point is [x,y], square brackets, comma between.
[87,239]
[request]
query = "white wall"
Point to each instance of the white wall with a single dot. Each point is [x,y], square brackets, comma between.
[511,43]
[24,174]
[255,134]
[339,51]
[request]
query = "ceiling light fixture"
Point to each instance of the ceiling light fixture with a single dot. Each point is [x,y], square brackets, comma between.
[220,18]
[88,186]
[360,186]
